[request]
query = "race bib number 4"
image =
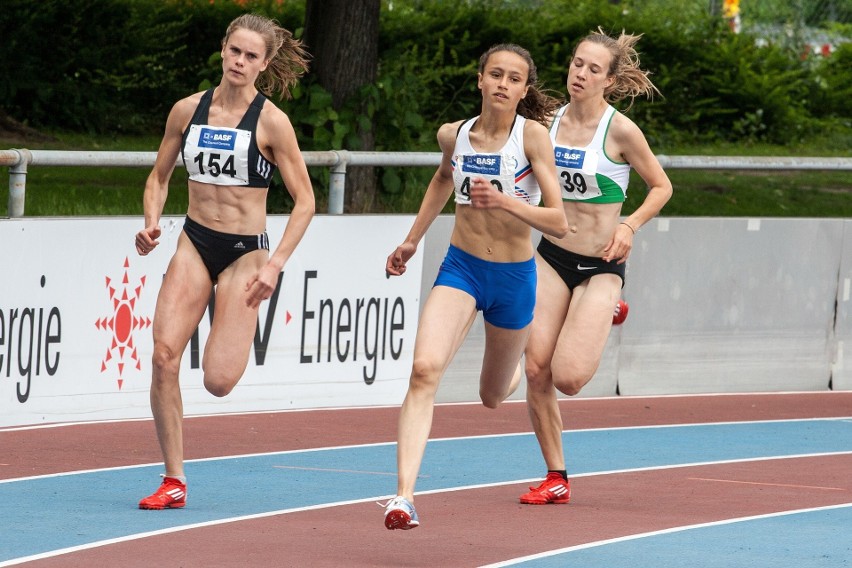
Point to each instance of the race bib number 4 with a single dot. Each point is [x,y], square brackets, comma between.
[494,168]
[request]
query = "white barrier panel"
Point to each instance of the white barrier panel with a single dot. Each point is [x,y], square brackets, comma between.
[76,314]
[841,377]
[731,305]
[716,305]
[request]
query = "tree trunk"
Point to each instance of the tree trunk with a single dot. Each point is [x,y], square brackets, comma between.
[343,38]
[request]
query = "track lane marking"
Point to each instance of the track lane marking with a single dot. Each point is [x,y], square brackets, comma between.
[377,499]
[672,530]
[765,484]
[335,470]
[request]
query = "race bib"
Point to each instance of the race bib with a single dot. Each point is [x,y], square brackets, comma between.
[497,169]
[217,155]
[576,168]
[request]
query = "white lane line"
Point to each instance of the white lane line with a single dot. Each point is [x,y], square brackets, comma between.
[522,559]
[378,498]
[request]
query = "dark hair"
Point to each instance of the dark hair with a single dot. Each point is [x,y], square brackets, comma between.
[630,80]
[537,105]
[288,60]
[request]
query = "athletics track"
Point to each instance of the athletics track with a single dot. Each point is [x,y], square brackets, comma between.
[751,480]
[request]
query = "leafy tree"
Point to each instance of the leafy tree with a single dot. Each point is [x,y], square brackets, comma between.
[387,73]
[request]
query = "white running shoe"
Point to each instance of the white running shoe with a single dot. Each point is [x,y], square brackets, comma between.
[400,514]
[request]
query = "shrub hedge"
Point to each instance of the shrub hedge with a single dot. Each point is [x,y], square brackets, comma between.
[116,66]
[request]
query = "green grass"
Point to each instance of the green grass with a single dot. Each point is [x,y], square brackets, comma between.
[94,191]
[766,193]
[85,191]
[723,193]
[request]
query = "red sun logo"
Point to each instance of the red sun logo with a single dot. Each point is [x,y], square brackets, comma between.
[123,323]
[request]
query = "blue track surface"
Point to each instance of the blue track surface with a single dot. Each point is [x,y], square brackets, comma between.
[802,539]
[52,513]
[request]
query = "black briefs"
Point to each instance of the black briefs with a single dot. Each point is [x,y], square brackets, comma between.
[220,250]
[574,269]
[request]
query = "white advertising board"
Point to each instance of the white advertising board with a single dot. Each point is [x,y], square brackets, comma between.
[77,304]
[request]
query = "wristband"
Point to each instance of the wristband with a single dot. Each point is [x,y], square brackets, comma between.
[628,226]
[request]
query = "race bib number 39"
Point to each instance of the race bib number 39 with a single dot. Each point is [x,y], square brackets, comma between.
[576,168]
[217,155]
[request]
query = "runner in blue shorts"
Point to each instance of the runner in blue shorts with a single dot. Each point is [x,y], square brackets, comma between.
[504,291]
[499,166]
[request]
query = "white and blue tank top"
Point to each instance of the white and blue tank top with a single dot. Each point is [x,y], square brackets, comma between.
[508,170]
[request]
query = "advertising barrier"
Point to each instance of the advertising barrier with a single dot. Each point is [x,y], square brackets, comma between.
[717,305]
[77,304]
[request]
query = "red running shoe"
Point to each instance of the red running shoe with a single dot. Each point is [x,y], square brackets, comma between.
[620,313]
[170,495]
[554,489]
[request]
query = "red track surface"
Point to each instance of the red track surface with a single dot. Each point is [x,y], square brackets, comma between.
[466,528]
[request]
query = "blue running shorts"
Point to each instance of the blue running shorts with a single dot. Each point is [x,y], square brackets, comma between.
[504,291]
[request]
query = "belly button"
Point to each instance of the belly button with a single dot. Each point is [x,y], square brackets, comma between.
[573,229]
[488,250]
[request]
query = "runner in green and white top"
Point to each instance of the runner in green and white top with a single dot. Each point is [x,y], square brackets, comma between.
[580,276]
[587,173]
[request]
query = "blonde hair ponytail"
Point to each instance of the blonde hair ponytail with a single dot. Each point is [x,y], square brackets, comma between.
[288,60]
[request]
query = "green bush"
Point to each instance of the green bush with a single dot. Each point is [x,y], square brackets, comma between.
[90,65]
[832,85]
[103,66]
[109,67]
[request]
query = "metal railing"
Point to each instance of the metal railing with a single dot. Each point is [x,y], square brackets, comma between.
[19,160]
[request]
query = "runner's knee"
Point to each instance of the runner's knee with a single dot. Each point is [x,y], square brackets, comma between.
[571,382]
[538,376]
[491,399]
[425,374]
[219,384]
[165,361]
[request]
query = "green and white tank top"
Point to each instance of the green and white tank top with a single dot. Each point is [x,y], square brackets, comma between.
[587,173]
